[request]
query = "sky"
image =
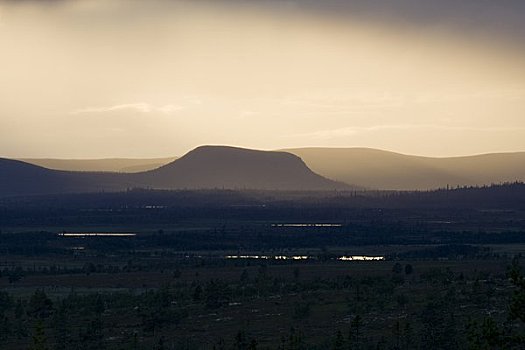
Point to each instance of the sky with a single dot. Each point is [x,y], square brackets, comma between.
[136,78]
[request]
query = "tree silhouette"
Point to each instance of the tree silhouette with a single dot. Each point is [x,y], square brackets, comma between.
[39,304]
[354,332]
[517,305]
[39,341]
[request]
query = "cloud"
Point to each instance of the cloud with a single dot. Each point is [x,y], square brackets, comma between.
[138,107]
[247,114]
[349,131]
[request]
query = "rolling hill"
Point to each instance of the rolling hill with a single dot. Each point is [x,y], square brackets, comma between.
[376,169]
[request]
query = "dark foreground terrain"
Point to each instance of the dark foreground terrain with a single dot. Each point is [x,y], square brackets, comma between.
[264,270]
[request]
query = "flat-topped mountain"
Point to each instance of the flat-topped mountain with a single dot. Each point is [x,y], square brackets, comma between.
[238,168]
[376,169]
[206,167]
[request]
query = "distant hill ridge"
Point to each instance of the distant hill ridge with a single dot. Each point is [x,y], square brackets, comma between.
[205,167]
[362,167]
[377,169]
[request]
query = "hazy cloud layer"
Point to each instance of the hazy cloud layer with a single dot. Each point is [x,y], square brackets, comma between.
[427,77]
[506,16]
[140,107]
[350,131]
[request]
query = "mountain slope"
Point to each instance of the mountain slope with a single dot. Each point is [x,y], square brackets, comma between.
[237,168]
[123,165]
[19,178]
[378,169]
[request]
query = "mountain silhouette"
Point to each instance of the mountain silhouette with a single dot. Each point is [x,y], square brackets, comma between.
[206,167]
[377,169]
[237,168]
[210,167]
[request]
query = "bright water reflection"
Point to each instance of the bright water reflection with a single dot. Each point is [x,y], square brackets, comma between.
[361,258]
[97,234]
[267,257]
[307,225]
[305,257]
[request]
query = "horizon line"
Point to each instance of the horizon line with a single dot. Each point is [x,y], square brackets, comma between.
[287,149]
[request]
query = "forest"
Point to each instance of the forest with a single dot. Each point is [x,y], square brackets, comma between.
[218,269]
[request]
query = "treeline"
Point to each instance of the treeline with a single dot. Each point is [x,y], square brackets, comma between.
[501,196]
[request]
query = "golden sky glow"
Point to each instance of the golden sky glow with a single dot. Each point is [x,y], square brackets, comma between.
[93,78]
